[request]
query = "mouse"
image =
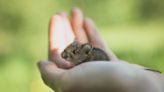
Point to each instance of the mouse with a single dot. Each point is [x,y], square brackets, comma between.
[78,53]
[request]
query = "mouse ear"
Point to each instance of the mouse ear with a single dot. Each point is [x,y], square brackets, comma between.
[74,43]
[87,47]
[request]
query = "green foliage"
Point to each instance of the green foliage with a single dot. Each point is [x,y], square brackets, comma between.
[132,28]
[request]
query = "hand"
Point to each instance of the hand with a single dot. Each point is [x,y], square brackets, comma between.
[62,32]
[87,77]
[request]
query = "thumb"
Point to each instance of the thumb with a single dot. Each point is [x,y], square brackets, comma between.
[50,73]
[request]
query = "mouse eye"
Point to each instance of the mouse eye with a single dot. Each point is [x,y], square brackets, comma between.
[75,51]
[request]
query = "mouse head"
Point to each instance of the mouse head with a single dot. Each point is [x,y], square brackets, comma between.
[70,50]
[77,52]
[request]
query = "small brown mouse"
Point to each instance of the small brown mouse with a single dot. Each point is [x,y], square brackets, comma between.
[78,53]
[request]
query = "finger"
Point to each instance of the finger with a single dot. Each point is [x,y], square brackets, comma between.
[49,68]
[77,25]
[55,34]
[69,35]
[60,35]
[92,34]
[50,73]
[95,39]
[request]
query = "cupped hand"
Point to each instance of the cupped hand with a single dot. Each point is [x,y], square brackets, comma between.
[62,32]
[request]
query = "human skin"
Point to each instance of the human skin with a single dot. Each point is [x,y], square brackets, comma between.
[113,76]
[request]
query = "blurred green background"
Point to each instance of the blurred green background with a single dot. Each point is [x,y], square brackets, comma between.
[133,29]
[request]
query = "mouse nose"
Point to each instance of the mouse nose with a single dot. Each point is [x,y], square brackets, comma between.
[64,55]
